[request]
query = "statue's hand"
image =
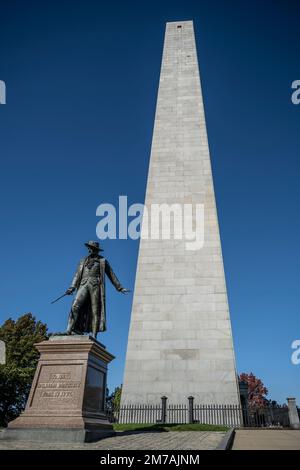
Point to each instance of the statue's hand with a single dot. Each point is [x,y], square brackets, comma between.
[70,290]
[124,291]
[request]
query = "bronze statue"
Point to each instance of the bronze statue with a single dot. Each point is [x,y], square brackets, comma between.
[88,309]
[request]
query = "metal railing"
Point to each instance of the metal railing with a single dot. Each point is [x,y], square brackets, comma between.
[222,415]
[267,416]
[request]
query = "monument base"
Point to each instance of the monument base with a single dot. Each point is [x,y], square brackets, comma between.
[67,398]
[56,435]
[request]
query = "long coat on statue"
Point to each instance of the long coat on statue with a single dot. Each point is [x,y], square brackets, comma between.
[84,320]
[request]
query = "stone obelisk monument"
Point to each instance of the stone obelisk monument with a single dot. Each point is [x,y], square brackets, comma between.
[180,340]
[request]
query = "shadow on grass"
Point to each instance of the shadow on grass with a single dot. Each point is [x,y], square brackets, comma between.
[167,427]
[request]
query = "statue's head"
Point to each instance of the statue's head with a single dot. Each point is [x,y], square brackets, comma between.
[93,247]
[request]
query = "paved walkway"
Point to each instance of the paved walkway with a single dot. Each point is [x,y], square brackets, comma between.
[185,440]
[266,439]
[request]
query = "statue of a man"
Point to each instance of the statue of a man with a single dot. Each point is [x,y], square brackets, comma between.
[88,309]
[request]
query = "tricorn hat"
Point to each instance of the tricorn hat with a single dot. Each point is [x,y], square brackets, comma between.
[93,244]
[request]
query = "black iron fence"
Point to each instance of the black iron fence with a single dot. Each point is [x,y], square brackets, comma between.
[268,416]
[223,415]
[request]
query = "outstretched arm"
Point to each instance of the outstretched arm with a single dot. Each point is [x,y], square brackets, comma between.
[113,278]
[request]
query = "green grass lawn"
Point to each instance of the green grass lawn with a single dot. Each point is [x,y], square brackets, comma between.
[169,427]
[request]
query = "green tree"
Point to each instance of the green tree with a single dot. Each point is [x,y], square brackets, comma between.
[21,359]
[117,398]
[113,400]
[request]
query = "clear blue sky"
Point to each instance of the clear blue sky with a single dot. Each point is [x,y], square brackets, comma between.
[76,131]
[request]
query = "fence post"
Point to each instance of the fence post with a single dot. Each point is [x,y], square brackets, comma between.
[245,416]
[164,409]
[293,413]
[191,409]
[2,352]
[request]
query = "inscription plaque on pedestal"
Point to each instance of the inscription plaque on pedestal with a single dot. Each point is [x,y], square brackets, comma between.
[67,397]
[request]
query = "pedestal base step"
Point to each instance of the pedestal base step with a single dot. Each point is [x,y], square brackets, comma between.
[57,435]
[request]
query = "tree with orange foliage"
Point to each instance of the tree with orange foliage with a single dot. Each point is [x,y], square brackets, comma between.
[256,390]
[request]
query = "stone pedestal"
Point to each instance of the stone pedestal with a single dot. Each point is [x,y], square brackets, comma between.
[293,413]
[67,397]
